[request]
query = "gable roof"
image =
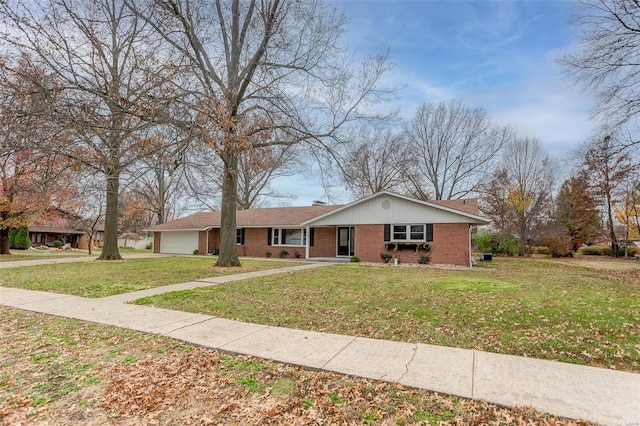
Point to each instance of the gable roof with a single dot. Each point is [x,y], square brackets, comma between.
[465,211]
[252,218]
[57,221]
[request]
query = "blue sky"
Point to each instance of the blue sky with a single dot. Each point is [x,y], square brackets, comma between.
[499,55]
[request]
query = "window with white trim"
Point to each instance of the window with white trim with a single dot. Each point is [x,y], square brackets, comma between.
[289,236]
[411,232]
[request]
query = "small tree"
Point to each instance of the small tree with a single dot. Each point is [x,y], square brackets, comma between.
[576,212]
[607,168]
[12,238]
[518,198]
[22,241]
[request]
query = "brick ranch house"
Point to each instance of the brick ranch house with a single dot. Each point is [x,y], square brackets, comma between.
[382,222]
[64,226]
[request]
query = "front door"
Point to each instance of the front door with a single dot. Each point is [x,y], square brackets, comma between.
[346,241]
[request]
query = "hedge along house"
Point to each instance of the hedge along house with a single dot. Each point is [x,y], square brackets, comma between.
[383,222]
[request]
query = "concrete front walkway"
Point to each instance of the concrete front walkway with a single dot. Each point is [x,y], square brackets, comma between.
[600,395]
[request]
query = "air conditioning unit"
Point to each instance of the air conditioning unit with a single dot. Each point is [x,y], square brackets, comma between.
[486,257]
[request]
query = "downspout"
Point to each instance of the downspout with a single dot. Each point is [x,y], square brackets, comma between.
[306,244]
[470,253]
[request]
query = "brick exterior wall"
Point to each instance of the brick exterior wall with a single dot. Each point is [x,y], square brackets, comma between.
[369,242]
[156,241]
[202,242]
[255,245]
[450,244]
[324,242]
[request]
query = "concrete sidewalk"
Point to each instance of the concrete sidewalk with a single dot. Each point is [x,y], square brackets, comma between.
[600,395]
[70,259]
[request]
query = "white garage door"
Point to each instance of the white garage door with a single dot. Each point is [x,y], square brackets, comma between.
[181,242]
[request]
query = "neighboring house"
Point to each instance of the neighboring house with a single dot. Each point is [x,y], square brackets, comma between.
[57,225]
[98,236]
[383,222]
[61,225]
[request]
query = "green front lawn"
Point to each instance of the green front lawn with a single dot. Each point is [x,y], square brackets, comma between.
[566,311]
[41,254]
[100,279]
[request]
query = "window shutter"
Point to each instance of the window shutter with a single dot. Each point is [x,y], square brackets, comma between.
[311,236]
[269,231]
[387,232]
[429,231]
[241,236]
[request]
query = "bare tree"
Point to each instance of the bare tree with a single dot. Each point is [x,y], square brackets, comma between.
[156,180]
[114,78]
[262,66]
[91,210]
[375,162]
[454,148]
[257,168]
[607,60]
[519,195]
[606,169]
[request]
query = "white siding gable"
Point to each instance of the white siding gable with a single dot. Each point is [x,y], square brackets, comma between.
[389,209]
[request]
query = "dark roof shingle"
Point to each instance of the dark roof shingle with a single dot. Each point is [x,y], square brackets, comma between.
[263,217]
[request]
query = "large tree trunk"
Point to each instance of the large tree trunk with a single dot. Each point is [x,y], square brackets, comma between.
[4,241]
[110,248]
[228,250]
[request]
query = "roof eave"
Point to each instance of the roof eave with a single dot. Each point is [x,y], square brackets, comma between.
[478,219]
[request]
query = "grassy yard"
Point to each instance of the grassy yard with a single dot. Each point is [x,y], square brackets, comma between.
[571,311]
[100,279]
[60,371]
[40,254]
[17,255]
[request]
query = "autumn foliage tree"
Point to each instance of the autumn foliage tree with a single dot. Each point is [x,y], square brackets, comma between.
[577,212]
[30,175]
[628,212]
[116,81]
[607,168]
[518,197]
